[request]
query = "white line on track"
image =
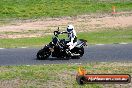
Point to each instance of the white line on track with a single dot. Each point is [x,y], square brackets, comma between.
[77,63]
[27,65]
[2,48]
[100,44]
[123,43]
[23,47]
[86,46]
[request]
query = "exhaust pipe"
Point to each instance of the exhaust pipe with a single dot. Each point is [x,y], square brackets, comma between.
[73,54]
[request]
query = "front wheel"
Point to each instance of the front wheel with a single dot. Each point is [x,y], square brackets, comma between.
[43,54]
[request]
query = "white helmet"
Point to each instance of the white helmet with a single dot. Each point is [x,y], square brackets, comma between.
[70,28]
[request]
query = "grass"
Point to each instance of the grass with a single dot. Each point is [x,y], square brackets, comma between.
[23,9]
[58,75]
[8,43]
[107,37]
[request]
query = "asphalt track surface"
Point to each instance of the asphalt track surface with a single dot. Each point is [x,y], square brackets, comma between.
[93,53]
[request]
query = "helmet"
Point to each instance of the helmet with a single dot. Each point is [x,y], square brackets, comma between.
[70,28]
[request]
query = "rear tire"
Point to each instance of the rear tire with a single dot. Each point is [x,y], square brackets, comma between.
[81,51]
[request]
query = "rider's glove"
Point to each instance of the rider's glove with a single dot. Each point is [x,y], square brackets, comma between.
[60,32]
[70,43]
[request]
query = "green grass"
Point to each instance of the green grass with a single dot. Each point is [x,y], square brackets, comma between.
[24,42]
[55,8]
[107,37]
[59,75]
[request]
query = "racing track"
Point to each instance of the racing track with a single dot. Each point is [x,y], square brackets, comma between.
[101,53]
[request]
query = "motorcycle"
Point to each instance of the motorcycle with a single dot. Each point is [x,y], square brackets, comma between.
[58,48]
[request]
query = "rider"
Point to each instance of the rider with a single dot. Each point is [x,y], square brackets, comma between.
[72,36]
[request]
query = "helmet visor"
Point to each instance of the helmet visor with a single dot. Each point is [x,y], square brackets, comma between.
[69,30]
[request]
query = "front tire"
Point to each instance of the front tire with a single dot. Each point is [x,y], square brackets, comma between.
[43,54]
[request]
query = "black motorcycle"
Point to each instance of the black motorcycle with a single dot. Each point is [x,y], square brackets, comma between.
[58,48]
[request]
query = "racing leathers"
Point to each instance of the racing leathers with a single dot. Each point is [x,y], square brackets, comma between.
[72,39]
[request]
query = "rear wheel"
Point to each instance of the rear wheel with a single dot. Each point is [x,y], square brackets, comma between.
[81,51]
[43,54]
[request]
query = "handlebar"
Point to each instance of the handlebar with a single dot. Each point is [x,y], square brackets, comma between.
[56,33]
